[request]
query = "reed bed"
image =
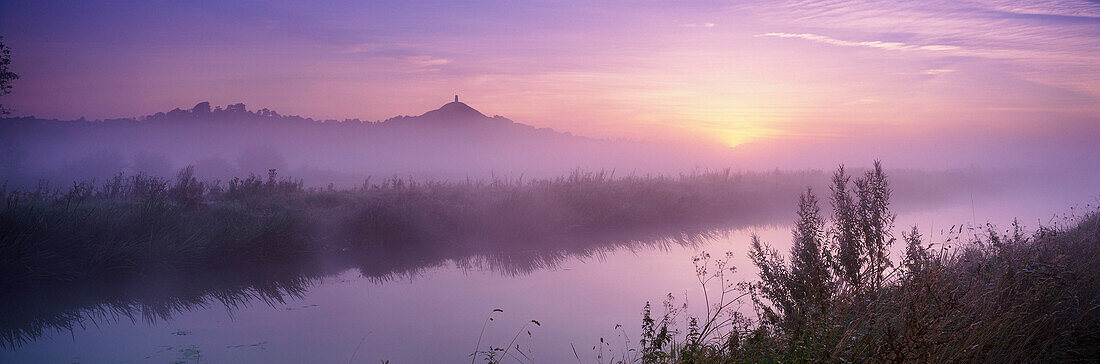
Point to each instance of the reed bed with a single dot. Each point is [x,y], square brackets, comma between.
[983,295]
[139,226]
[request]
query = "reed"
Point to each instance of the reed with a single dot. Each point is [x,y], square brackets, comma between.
[984,295]
[138,226]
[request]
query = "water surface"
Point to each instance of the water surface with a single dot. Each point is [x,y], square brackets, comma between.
[420,307]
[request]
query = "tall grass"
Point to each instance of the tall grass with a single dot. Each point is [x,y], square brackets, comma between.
[139,226]
[983,296]
[134,227]
[473,212]
[103,242]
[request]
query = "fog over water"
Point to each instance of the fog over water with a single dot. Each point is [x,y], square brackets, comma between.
[400,301]
[457,142]
[389,302]
[288,182]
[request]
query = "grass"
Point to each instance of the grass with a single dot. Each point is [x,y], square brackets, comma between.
[108,243]
[984,295]
[140,226]
[136,227]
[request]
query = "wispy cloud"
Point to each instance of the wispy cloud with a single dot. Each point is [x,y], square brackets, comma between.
[1051,42]
[699,25]
[863,101]
[427,61]
[360,48]
[1067,8]
[893,46]
[937,71]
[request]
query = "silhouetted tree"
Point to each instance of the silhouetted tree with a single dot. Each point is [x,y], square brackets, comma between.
[876,223]
[267,112]
[6,76]
[846,231]
[772,293]
[795,296]
[201,108]
[236,108]
[809,256]
[916,255]
[187,191]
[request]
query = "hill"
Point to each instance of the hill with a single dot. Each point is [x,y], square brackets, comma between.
[454,141]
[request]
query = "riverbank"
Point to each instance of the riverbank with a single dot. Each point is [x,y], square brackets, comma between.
[141,226]
[983,295]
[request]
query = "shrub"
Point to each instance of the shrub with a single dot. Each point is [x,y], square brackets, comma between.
[1012,297]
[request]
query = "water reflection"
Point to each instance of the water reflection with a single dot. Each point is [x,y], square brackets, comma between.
[28,315]
[397,261]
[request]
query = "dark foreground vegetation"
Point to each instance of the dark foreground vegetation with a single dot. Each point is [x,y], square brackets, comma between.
[29,314]
[981,296]
[141,226]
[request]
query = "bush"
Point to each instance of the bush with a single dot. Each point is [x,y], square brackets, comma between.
[1011,297]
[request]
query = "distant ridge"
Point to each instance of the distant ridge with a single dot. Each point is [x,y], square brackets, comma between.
[454,110]
[452,141]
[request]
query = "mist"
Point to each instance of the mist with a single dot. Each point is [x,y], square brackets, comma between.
[569,181]
[453,142]
[457,142]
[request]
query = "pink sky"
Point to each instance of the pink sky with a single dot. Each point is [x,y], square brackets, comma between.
[725,72]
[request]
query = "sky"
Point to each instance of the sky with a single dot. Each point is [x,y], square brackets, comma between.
[725,72]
